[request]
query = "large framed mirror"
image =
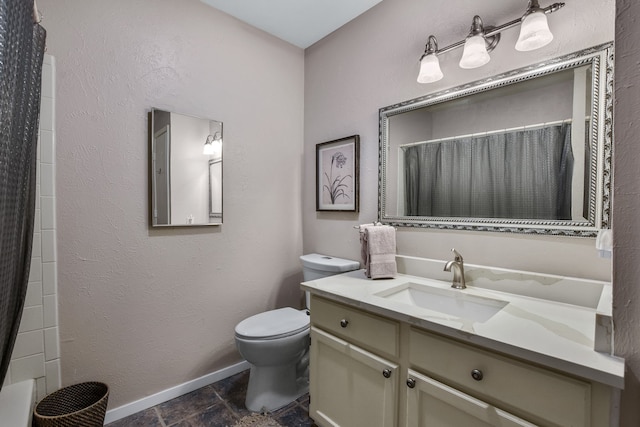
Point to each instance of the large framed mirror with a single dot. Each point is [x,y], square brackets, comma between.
[185,170]
[527,151]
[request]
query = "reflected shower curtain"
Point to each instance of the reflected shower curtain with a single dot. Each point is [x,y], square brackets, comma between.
[523,174]
[21,54]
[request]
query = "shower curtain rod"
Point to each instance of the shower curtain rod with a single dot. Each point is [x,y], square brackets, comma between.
[490,132]
[37,18]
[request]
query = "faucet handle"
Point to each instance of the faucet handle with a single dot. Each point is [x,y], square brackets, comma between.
[457,255]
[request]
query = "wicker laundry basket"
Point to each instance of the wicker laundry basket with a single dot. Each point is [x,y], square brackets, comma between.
[78,405]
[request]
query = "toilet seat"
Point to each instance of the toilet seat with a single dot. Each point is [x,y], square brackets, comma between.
[273,324]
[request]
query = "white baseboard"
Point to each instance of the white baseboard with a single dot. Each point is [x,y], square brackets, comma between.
[173,392]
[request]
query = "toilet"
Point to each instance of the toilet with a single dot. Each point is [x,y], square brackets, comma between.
[276,343]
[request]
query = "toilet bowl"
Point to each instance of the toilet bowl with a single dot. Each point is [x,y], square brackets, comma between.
[276,344]
[275,378]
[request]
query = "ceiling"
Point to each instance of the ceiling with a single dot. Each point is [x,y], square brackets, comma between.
[299,22]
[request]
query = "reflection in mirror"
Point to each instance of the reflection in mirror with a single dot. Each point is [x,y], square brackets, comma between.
[527,151]
[215,190]
[185,170]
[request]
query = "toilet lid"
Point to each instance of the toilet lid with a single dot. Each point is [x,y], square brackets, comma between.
[273,324]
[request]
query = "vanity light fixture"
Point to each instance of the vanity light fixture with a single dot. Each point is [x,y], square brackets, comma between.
[429,64]
[534,31]
[209,148]
[477,46]
[534,34]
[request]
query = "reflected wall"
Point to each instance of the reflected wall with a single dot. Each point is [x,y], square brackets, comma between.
[185,170]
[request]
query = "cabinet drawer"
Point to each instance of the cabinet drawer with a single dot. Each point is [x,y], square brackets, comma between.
[541,395]
[376,333]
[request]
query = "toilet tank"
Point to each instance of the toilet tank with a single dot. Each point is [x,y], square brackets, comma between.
[317,266]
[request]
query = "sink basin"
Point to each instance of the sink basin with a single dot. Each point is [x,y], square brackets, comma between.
[455,303]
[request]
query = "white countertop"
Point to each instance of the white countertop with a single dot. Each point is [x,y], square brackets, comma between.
[556,335]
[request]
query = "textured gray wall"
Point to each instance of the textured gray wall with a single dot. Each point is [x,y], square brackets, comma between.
[141,309]
[372,62]
[626,205]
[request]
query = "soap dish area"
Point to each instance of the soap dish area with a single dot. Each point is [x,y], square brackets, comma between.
[16,404]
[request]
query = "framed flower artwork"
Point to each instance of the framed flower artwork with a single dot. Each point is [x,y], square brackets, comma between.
[337,174]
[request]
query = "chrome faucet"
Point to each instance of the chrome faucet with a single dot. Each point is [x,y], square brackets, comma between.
[458,270]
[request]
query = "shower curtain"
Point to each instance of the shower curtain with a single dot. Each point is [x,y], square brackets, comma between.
[522,174]
[21,53]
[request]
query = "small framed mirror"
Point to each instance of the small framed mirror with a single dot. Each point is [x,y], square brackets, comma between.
[185,170]
[527,151]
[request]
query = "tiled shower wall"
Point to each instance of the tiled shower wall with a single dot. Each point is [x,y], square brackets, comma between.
[36,353]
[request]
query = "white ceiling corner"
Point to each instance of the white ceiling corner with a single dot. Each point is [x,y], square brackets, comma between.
[299,22]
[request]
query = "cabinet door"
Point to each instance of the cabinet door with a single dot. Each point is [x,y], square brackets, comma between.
[433,404]
[350,387]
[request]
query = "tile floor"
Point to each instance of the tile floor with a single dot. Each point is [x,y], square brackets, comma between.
[217,405]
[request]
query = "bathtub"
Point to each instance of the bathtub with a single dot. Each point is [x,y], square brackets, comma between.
[16,404]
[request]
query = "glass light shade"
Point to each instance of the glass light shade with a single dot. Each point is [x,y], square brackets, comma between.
[430,69]
[208,149]
[534,32]
[475,53]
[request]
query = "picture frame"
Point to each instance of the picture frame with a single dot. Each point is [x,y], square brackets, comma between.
[338,175]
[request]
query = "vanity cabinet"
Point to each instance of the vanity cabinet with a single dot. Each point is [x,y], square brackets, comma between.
[369,370]
[352,380]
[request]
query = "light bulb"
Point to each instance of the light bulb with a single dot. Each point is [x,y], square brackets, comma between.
[475,52]
[534,32]
[208,149]
[429,69]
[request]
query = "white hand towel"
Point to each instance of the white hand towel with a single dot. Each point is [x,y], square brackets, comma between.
[381,245]
[604,243]
[364,247]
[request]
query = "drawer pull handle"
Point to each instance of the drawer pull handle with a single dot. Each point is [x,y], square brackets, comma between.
[386,373]
[344,323]
[477,374]
[411,383]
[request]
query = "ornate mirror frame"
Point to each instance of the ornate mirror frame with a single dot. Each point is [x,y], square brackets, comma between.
[599,205]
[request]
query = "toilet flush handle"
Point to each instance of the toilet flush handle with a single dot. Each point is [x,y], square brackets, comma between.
[344,323]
